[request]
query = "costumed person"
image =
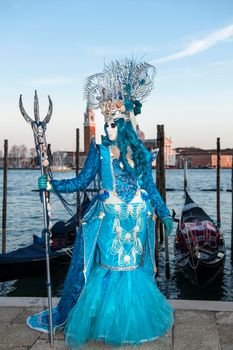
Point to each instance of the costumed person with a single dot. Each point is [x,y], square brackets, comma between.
[110,293]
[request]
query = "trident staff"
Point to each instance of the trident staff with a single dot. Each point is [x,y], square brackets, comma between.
[39,128]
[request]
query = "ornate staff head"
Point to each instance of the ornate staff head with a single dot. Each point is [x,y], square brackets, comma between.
[36,111]
[38,126]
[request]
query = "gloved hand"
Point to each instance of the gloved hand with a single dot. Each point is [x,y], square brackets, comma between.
[168,223]
[42,182]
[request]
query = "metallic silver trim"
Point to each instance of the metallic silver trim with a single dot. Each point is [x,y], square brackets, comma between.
[120,268]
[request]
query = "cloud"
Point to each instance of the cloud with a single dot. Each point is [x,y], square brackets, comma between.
[53,81]
[222,63]
[200,45]
[108,50]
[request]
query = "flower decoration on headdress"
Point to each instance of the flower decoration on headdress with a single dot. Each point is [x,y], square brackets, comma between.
[120,89]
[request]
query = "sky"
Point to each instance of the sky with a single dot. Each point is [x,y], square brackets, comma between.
[52,45]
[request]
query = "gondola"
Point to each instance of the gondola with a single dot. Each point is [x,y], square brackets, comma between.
[199,246]
[31,260]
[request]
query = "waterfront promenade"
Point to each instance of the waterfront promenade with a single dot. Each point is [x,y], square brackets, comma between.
[199,325]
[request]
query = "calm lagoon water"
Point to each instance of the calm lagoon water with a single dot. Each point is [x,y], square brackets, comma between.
[25,217]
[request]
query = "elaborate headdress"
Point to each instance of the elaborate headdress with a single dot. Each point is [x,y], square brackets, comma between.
[120,89]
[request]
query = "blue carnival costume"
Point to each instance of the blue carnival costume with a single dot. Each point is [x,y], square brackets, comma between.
[110,293]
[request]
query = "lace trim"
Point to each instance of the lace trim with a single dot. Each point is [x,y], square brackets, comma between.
[123,211]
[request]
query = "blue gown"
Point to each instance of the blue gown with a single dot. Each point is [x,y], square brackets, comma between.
[110,293]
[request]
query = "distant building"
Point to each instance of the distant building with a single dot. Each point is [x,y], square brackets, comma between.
[169,152]
[68,158]
[89,128]
[200,158]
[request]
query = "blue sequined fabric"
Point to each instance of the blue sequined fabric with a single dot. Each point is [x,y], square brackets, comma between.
[72,289]
[74,280]
[156,200]
[125,183]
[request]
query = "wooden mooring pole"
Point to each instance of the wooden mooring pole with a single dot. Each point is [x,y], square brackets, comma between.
[162,187]
[158,226]
[232,209]
[77,166]
[185,175]
[49,154]
[4,199]
[160,172]
[218,182]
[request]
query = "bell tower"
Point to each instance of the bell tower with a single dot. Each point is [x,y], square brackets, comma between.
[89,128]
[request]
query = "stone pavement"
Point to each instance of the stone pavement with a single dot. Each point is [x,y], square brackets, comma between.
[199,325]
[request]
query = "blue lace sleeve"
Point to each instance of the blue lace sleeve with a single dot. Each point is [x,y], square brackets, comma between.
[156,200]
[85,177]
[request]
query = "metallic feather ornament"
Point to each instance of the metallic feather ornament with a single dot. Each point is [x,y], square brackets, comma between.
[120,89]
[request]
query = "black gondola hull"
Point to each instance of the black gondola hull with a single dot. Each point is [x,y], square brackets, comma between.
[198,270]
[31,260]
[23,263]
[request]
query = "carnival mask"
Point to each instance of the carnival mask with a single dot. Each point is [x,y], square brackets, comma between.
[111,129]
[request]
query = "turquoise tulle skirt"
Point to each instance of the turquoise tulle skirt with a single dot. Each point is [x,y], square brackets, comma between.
[118,307]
